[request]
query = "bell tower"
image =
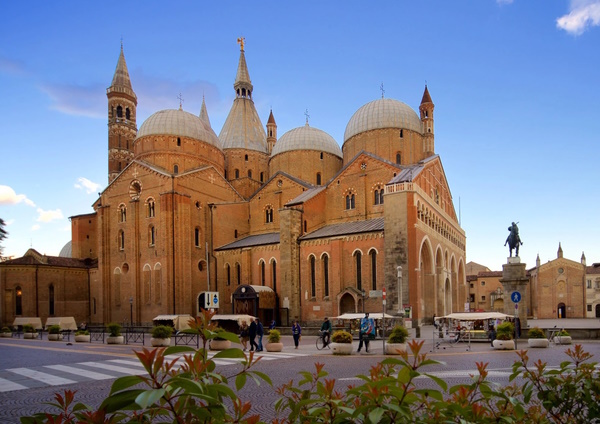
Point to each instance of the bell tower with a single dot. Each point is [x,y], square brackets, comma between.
[426,112]
[271,132]
[122,127]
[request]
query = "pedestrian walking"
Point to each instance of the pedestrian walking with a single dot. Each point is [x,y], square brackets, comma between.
[260,332]
[244,335]
[367,327]
[252,335]
[296,333]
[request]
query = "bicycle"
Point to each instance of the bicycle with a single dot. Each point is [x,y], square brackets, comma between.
[323,341]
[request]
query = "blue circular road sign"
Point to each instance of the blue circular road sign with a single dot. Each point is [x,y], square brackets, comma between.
[515,297]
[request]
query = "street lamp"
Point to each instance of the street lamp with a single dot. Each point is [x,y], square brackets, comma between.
[131,310]
[400,306]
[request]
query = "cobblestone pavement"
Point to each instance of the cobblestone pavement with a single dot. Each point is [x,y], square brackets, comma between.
[32,371]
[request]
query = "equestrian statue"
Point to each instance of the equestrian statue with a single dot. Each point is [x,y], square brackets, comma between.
[513,240]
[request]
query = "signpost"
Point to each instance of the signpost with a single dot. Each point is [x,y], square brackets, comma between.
[383,319]
[516,298]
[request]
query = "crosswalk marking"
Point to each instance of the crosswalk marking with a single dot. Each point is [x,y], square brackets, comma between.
[54,375]
[9,386]
[49,379]
[80,371]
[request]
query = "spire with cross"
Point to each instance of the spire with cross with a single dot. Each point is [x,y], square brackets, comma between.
[307,116]
[180,101]
[382,90]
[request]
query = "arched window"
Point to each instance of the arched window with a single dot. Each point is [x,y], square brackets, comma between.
[175,169]
[178,141]
[358,257]
[51,300]
[228,275]
[274,275]
[127,114]
[262,177]
[157,283]
[350,201]
[237,173]
[18,301]
[313,279]
[378,196]
[151,235]
[121,240]
[269,214]
[239,273]
[147,278]
[326,276]
[401,133]
[197,237]
[119,111]
[373,255]
[398,158]
[262,273]
[381,197]
[246,158]
[150,208]
[122,213]
[117,286]
[249,173]
[318,178]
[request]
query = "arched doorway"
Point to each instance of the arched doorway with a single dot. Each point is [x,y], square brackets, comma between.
[258,301]
[562,311]
[426,282]
[347,304]
[447,297]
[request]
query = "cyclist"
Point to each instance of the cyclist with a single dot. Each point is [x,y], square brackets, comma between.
[326,330]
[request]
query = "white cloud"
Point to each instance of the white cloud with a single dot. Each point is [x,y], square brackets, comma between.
[504,1]
[36,227]
[47,216]
[9,197]
[582,15]
[77,100]
[87,185]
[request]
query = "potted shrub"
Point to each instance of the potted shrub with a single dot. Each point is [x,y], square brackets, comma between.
[161,335]
[562,337]
[29,332]
[5,332]
[537,338]
[396,343]
[54,332]
[504,336]
[219,343]
[274,341]
[114,334]
[82,336]
[341,343]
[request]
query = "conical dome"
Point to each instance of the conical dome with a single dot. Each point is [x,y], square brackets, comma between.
[307,138]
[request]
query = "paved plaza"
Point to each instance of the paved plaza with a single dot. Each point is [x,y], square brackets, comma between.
[32,371]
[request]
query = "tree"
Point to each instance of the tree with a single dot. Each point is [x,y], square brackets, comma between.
[3,233]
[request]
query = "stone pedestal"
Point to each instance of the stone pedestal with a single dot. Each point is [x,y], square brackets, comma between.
[514,278]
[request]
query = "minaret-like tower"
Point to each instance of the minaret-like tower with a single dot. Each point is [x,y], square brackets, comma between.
[271,132]
[122,128]
[204,113]
[583,261]
[426,111]
[559,253]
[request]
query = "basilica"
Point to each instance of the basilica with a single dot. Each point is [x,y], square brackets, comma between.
[281,227]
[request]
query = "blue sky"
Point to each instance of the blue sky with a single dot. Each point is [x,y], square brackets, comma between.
[515,86]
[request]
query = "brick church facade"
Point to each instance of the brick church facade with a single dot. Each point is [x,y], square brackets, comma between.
[283,228]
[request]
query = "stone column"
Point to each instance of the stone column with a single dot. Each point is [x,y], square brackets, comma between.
[514,278]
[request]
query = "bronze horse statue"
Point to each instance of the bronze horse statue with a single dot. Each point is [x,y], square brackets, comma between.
[513,240]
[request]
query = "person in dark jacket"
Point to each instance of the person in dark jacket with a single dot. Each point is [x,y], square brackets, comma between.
[296,333]
[252,334]
[260,331]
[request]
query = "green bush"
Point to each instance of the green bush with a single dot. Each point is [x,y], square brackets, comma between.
[5,330]
[82,333]
[536,333]
[162,332]
[114,329]
[341,336]
[399,334]
[54,329]
[274,336]
[563,332]
[28,328]
[505,331]
[198,392]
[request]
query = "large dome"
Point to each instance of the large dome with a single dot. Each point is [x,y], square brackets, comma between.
[179,123]
[306,138]
[383,113]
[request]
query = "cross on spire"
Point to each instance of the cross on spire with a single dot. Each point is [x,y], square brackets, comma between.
[307,116]
[382,90]
[241,41]
[180,101]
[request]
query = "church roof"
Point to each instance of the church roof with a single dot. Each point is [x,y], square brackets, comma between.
[121,81]
[204,114]
[383,113]
[179,123]
[345,228]
[256,240]
[307,138]
[426,97]
[33,257]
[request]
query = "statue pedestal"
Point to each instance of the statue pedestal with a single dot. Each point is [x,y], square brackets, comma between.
[514,278]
